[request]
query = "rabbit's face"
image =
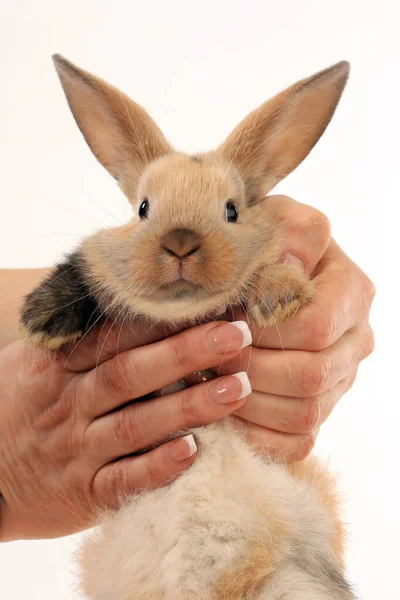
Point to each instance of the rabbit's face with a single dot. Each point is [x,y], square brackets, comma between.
[192,245]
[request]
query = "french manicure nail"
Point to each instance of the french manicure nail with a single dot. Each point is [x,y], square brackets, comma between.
[230,389]
[183,448]
[229,337]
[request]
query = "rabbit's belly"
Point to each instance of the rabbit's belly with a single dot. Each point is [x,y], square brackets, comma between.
[219,531]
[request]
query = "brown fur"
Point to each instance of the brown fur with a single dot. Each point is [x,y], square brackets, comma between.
[248,576]
[119,132]
[272,140]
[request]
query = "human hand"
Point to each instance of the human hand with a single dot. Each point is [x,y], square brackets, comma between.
[295,390]
[61,435]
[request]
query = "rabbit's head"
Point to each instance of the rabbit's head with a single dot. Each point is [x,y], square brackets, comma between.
[199,231]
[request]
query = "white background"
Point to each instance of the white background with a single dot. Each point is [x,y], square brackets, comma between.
[199,67]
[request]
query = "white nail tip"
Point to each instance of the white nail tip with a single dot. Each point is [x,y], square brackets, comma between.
[189,439]
[244,328]
[246,385]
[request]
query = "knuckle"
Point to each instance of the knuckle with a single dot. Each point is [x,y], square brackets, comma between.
[118,480]
[368,345]
[309,416]
[320,330]
[350,381]
[183,358]
[304,447]
[314,377]
[189,404]
[65,409]
[115,377]
[312,217]
[323,223]
[370,288]
[126,428]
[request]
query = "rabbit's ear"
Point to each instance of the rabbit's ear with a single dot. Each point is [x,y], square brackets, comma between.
[120,133]
[272,140]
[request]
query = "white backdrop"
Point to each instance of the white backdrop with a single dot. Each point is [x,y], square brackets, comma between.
[199,67]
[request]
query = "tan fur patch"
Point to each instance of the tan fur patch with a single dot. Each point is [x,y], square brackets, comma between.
[42,340]
[248,575]
[278,292]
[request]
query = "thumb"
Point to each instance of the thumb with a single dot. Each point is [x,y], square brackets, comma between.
[306,230]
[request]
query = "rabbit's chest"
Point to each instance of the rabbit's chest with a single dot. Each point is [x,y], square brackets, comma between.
[226,524]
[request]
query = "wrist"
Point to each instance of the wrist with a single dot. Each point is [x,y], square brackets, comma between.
[14,284]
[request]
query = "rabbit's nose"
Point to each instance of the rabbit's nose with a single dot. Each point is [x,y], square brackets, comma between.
[181,243]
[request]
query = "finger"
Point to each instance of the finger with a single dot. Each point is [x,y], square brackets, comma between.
[306,230]
[339,301]
[292,415]
[105,341]
[296,373]
[143,424]
[138,372]
[149,471]
[281,447]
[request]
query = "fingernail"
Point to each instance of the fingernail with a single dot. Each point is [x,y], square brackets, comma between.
[292,259]
[229,337]
[229,389]
[183,448]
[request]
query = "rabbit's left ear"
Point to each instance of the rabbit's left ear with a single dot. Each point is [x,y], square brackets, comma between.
[122,136]
[272,140]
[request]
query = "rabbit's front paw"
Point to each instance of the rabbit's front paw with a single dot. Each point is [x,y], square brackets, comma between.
[277,294]
[61,309]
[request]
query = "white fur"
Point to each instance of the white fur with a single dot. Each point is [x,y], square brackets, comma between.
[174,543]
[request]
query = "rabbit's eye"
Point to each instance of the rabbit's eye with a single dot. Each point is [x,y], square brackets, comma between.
[231,212]
[144,209]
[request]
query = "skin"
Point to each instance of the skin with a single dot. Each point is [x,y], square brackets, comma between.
[59,442]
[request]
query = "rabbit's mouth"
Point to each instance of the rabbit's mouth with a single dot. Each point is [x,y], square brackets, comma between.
[180,288]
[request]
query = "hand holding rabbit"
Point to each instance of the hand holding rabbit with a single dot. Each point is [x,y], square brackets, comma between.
[323,344]
[60,441]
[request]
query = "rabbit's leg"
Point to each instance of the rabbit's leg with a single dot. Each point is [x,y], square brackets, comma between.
[61,308]
[277,293]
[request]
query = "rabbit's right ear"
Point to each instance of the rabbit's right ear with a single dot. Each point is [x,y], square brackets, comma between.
[272,140]
[122,136]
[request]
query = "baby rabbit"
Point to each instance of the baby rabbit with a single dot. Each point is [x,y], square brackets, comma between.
[234,526]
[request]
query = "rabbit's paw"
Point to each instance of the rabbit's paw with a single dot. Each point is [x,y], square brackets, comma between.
[277,294]
[60,309]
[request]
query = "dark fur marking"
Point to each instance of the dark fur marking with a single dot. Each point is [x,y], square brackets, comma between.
[252,200]
[266,306]
[329,71]
[325,573]
[253,195]
[196,159]
[63,304]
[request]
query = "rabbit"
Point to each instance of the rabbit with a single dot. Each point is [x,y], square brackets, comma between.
[235,525]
